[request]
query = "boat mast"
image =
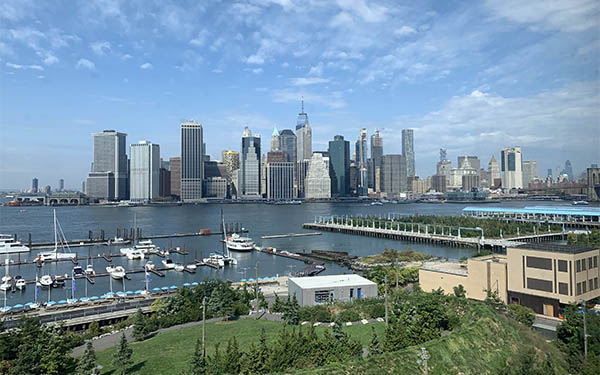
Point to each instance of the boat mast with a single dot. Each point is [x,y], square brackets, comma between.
[55,236]
[226,249]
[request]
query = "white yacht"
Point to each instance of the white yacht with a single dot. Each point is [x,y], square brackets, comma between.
[89,270]
[6,279]
[145,244]
[132,253]
[168,263]
[118,241]
[117,272]
[8,245]
[215,259]
[46,281]
[49,256]
[237,243]
[179,267]
[21,283]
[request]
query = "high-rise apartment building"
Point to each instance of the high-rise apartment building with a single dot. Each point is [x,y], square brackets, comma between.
[339,166]
[510,166]
[110,163]
[375,165]
[408,151]
[361,163]
[303,137]
[275,141]
[318,183]
[175,165]
[530,172]
[280,180]
[439,183]
[250,184]
[192,161]
[144,172]
[393,174]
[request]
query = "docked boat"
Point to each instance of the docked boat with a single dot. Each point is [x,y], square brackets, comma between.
[45,281]
[117,272]
[179,267]
[132,253]
[49,256]
[376,203]
[580,203]
[6,279]
[8,245]
[237,243]
[145,244]
[149,266]
[58,283]
[191,266]
[89,270]
[168,263]
[118,241]
[20,282]
[215,259]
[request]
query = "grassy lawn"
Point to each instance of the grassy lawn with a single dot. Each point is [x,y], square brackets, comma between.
[170,352]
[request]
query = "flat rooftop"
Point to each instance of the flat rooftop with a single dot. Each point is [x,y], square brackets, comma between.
[312,282]
[539,210]
[556,248]
[453,268]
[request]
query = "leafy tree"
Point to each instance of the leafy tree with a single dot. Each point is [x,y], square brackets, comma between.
[459,291]
[522,314]
[493,300]
[198,366]
[122,357]
[139,326]
[86,364]
[94,329]
[374,345]
[570,335]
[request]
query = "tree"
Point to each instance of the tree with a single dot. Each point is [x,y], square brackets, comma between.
[277,306]
[493,300]
[522,314]
[374,346]
[122,357]
[198,366]
[139,326]
[86,364]
[290,312]
[459,291]
[232,357]
[94,329]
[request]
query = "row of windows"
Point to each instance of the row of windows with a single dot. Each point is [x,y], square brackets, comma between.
[583,264]
[584,286]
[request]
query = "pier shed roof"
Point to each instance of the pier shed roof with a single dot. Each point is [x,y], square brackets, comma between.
[330,281]
[539,210]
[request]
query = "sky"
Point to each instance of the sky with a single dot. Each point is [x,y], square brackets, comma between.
[471,77]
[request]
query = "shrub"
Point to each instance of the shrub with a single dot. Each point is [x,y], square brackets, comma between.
[348,316]
[522,314]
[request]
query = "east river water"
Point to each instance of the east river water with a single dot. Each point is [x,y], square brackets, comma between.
[259,219]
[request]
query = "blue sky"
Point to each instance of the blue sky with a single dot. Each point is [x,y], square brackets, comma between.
[471,77]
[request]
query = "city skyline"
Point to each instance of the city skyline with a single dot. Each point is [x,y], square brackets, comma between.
[433,68]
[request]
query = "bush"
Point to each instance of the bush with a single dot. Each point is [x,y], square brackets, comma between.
[319,313]
[522,314]
[348,316]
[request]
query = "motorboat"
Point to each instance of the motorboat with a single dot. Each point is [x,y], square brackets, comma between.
[580,203]
[5,286]
[118,241]
[49,256]
[89,270]
[78,270]
[132,253]
[58,283]
[149,266]
[376,203]
[20,283]
[8,245]
[168,263]
[145,244]
[237,243]
[179,267]
[45,281]
[215,259]
[6,279]
[191,266]
[117,272]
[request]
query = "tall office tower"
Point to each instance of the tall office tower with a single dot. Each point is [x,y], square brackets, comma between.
[439,183]
[280,180]
[530,172]
[108,178]
[318,183]
[303,137]
[549,172]
[276,157]
[250,165]
[192,161]
[34,185]
[393,174]
[361,163]
[175,164]
[339,166]
[568,170]
[408,151]
[144,172]
[231,160]
[275,142]
[473,161]
[493,171]
[287,140]
[301,171]
[61,184]
[470,181]
[376,154]
[510,166]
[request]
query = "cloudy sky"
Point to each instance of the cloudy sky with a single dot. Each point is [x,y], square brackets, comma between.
[471,77]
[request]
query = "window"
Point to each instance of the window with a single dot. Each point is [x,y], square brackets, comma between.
[583,265]
[591,284]
[595,283]
[590,263]
[541,263]
[583,287]
[578,289]
[595,261]
[323,296]
[578,266]
[562,265]
[563,288]
[351,293]
[539,284]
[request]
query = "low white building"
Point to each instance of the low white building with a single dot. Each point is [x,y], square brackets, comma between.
[323,289]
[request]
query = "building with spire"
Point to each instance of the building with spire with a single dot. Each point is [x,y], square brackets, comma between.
[375,162]
[361,163]
[303,136]
[275,140]
[493,173]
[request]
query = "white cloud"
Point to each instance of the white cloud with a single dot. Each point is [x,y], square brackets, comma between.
[200,39]
[405,30]
[85,64]
[15,10]
[24,67]
[316,70]
[100,47]
[305,81]
[146,66]
[50,60]
[126,57]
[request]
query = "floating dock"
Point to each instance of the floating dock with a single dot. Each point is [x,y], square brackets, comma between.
[291,235]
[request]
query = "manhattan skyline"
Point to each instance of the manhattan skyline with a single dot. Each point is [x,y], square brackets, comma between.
[471,78]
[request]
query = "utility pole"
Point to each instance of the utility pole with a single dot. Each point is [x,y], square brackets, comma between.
[256,287]
[386,300]
[203,327]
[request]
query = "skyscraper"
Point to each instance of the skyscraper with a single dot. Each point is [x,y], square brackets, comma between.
[376,154]
[339,166]
[408,151]
[318,183]
[108,179]
[568,170]
[275,142]
[280,180]
[231,160]
[393,174]
[473,161]
[493,171]
[61,184]
[303,137]
[530,172]
[250,165]
[144,172]
[361,163]
[192,161]
[34,185]
[510,166]
[175,164]
[287,140]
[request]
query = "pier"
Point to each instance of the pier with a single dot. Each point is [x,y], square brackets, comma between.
[291,235]
[313,268]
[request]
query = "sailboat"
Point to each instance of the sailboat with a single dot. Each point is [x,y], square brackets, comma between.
[6,279]
[227,258]
[117,272]
[49,256]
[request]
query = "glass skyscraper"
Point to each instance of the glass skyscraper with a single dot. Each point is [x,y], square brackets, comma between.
[192,161]
[339,166]
[108,178]
[408,151]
